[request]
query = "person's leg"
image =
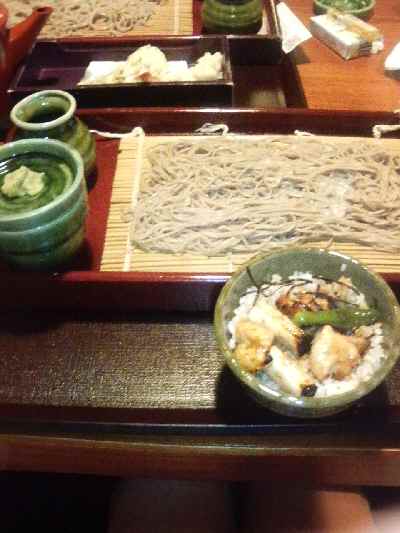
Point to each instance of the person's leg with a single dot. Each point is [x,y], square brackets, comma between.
[269,509]
[385,506]
[147,506]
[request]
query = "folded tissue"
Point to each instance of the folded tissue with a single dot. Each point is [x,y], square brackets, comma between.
[293,31]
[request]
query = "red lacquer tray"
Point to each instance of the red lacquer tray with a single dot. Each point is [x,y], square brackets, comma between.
[84,286]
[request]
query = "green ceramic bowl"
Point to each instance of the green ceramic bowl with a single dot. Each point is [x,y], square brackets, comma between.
[46,230]
[331,265]
[364,12]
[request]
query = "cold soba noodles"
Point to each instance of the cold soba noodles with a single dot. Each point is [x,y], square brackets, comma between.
[236,195]
[73,17]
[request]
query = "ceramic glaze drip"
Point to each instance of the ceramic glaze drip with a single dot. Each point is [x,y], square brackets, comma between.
[232,16]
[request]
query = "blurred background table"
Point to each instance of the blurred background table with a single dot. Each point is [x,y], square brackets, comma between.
[330,82]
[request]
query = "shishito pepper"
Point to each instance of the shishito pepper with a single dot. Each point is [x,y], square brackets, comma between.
[342,317]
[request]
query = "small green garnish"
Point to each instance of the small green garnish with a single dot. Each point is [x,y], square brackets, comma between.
[342,317]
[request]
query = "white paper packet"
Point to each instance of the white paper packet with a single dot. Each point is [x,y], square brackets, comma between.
[293,30]
[392,61]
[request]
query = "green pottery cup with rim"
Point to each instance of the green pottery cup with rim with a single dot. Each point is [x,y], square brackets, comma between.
[45,230]
[329,265]
[51,114]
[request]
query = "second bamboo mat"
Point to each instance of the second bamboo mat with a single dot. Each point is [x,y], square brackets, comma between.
[109,19]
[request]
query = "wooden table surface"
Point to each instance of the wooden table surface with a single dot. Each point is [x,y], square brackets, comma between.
[38,348]
[330,82]
[58,361]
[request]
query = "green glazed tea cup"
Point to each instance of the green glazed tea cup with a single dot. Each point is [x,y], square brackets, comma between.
[43,231]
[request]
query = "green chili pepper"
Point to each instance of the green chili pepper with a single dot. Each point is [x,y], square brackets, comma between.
[342,317]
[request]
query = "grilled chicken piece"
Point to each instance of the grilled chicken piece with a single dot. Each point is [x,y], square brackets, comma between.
[286,371]
[333,354]
[341,290]
[253,343]
[252,332]
[250,357]
[360,341]
[287,335]
[292,302]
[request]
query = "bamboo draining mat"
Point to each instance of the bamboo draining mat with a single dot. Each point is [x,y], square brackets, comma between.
[118,256]
[170,17]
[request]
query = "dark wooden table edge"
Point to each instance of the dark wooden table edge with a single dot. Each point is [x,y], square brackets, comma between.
[314,463]
[164,423]
[93,291]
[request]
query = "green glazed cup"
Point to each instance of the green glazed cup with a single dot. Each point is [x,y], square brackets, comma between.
[50,114]
[55,257]
[48,236]
[330,265]
[232,16]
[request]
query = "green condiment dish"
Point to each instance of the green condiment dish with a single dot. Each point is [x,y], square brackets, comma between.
[43,231]
[365,12]
[330,265]
[51,114]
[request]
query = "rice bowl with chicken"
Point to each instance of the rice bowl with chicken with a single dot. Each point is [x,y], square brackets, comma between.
[308,341]
[267,341]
